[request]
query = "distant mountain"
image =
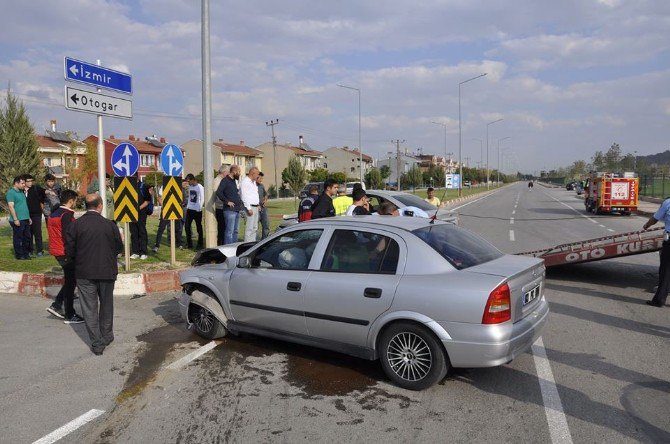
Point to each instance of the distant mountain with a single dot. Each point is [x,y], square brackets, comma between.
[656,159]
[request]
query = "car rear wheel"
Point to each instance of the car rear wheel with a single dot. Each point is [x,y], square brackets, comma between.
[412,357]
[205,323]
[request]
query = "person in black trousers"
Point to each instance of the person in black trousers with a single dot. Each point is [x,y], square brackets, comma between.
[60,220]
[662,214]
[93,243]
[35,196]
[139,239]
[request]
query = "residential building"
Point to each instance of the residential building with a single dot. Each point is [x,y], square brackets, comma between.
[222,153]
[406,163]
[274,165]
[347,161]
[62,154]
[447,163]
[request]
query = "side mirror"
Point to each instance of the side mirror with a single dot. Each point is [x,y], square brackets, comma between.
[244,262]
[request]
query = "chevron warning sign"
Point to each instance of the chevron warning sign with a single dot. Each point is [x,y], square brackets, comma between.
[125,199]
[173,196]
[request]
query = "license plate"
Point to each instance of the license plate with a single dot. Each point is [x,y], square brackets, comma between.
[531,295]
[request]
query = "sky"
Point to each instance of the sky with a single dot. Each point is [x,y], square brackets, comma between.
[568,78]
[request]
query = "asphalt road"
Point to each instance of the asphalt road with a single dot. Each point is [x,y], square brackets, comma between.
[605,378]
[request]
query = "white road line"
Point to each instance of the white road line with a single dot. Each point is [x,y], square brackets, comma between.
[70,427]
[611,230]
[553,408]
[473,201]
[514,211]
[179,363]
[603,226]
[563,203]
[511,220]
[511,235]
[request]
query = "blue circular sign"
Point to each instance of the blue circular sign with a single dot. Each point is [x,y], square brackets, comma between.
[125,160]
[172,160]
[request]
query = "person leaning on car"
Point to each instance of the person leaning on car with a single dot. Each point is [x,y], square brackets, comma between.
[305,208]
[323,207]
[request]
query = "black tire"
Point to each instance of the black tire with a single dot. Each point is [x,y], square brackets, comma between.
[205,323]
[626,213]
[411,356]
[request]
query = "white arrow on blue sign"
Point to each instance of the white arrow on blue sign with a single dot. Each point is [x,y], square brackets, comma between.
[94,75]
[125,160]
[172,160]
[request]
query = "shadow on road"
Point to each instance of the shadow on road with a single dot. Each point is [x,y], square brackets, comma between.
[607,272]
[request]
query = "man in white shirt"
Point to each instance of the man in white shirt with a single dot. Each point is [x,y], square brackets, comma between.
[196,199]
[250,199]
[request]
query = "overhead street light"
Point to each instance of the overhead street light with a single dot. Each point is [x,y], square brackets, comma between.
[498,174]
[460,163]
[360,148]
[487,151]
[445,141]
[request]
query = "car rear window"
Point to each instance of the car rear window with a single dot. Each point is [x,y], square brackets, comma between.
[410,200]
[460,247]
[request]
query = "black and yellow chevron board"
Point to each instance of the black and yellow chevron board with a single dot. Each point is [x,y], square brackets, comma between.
[125,199]
[173,196]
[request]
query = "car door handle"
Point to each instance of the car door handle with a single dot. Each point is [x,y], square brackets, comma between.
[293,286]
[374,293]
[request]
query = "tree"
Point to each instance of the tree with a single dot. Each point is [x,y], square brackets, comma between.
[413,178]
[78,171]
[385,171]
[373,179]
[294,175]
[338,177]
[613,158]
[19,149]
[437,175]
[598,161]
[318,175]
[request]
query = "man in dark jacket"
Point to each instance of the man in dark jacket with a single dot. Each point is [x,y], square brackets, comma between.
[232,204]
[93,243]
[35,198]
[323,207]
[60,220]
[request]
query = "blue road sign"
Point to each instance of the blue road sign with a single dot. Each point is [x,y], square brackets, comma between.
[94,75]
[456,181]
[172,160]
[125,160]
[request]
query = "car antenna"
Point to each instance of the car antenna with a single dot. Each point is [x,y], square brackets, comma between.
[432,219]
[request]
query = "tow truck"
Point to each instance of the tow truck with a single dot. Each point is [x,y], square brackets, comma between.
[611,192]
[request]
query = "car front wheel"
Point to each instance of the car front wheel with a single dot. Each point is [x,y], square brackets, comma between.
[205,323]
[412,357]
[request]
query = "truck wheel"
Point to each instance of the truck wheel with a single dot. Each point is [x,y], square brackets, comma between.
[626,213]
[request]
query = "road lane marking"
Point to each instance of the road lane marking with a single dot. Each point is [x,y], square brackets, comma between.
[611,230]
[514,211]
[182,362]
[511,235]
[553,408]
[511,220]
[476,200]
[70,427]
[563,203]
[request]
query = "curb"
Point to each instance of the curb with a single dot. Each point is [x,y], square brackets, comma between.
[48,285]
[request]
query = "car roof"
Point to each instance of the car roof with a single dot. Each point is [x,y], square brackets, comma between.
[403,222]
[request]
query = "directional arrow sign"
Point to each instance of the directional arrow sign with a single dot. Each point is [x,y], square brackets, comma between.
[125,160]
[172,160]
[173,196]
[126,208]
[96,103]
[94,75]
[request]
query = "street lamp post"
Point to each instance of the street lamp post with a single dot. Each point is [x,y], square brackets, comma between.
[360,148]
[460,164]
[498,174]
[488,185]
[445,141]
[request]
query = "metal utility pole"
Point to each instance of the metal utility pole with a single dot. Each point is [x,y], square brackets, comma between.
[397,159]
[272,124]
[481,153]
[360,148]
[208,168]
[498,174]
[488,185]
[102,180]
[445,142]
[460,143]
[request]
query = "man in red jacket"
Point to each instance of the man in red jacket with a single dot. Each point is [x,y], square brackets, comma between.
[60,220]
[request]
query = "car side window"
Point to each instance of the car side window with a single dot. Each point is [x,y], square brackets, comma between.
[292,251]
[375,202]
[351,251]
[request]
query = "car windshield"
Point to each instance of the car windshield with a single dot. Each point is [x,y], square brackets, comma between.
[410,200]
[458,246]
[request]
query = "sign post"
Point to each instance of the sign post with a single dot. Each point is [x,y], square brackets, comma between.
[172,164]
[125,162]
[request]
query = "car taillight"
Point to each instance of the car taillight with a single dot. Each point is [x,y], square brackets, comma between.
[498,307]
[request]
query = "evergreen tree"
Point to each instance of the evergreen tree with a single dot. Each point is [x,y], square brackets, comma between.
[19,152]
[294,175]
[373,179]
